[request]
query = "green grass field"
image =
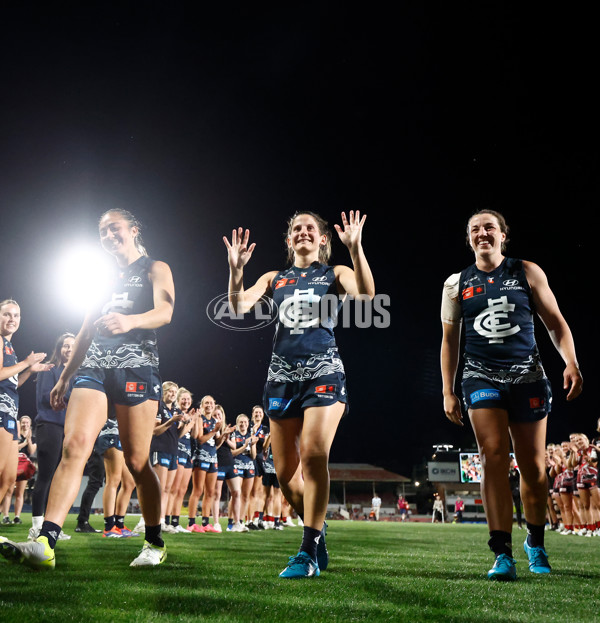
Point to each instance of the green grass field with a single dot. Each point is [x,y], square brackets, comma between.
[378,572]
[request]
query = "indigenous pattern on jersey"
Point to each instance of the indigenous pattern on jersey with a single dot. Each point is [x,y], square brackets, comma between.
[268,464]
[497,308]
[184,446]
[9,395]
[243,463]
[132,293]
[308,305]
[207,451]
[167,441]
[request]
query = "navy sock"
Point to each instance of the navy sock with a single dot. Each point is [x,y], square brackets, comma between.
[120,521]
[167,520]
[153,536]
[535,535]
[500,542]
[205,521]
[310,540]
[50,531]
[175,521]
[109,523]
[191,521]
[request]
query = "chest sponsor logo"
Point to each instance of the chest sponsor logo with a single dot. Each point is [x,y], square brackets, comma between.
[491,322]
[134,282]
[470,292]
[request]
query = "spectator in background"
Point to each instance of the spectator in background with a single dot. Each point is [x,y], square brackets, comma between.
[515,487]
[376,506]
[459,507]
[403,508]
[438,509]
[27,446]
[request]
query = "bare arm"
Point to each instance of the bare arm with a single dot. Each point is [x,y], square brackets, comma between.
[356,281]
[239,253]
[163,292]
[449,358]
[557,327]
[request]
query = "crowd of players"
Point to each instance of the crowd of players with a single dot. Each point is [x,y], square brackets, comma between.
[194,445]
[574,499]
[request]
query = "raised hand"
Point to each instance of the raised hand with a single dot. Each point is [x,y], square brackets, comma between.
[351,232]
[238,251]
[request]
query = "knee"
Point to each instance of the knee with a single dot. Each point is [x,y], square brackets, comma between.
[76,447]
[314,460]
[137,464]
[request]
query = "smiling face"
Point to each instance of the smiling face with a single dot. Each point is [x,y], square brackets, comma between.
[169,394]
[207,405]
[486,237]
[304,237]
[257,416]
[117,236]
[185,401]
[10,319]
[242,424]
[66,349]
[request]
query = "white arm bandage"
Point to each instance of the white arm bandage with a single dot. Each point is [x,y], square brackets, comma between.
[451,310]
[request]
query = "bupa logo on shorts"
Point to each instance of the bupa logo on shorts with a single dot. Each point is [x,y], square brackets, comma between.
[278,404]
[205,465]
[10,424]
[325,389]
[485,394]
[165,462]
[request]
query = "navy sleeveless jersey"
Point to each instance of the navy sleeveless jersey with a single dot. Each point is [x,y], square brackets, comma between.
[304,344]
[497,309]
[131,294]
[9,395]
[168,441]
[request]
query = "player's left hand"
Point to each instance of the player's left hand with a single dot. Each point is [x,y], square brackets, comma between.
[114,324]
[351,233]
[573,381]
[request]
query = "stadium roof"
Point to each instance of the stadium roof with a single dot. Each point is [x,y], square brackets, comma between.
[349,472]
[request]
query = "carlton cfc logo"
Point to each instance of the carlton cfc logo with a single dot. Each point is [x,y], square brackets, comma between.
[490,322]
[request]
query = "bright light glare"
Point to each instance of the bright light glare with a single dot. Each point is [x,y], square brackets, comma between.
[83,274]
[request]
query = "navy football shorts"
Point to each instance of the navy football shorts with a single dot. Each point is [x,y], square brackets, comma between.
[164,459]
[244,468]
[227,472]
[9,424]
[288,400]
[184,460]
[104,442]
[123,386]
[524,402]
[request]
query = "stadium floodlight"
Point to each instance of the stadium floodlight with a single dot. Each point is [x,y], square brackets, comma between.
[82,275]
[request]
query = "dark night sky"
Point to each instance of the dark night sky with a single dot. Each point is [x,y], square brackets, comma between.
[202,120]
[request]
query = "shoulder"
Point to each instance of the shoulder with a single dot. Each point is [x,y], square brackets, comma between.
[451,286]
[157,268]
